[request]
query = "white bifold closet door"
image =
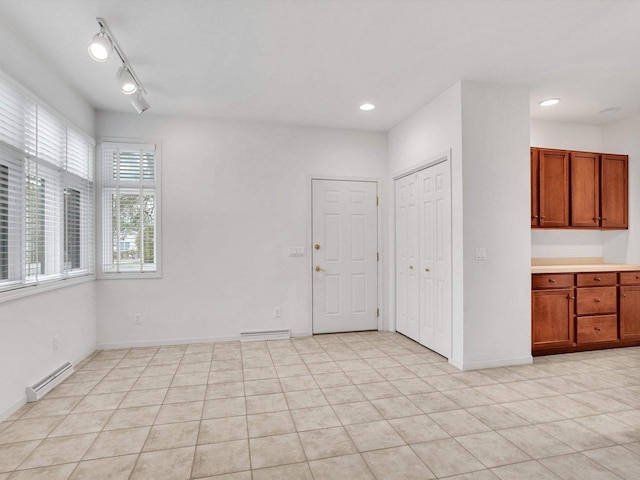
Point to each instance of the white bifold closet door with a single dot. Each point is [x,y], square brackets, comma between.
[423,257]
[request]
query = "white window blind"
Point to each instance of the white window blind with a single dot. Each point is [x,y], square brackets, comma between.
[46,193]
[130,203]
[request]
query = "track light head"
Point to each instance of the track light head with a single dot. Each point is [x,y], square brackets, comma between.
[100,47]
[139,103]
[128,85]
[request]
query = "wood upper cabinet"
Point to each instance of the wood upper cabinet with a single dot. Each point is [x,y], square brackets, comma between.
[535,188]
[553,320]
[629,312]
[585,189]
[614,195]
[553,188]
[579,189]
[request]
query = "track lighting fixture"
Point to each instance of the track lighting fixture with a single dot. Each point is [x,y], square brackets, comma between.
[100,49]
[128,85]
[139,103]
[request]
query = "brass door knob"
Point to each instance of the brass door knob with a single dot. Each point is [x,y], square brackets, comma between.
[317,246]
[410,267]
[426,269]
[319,269]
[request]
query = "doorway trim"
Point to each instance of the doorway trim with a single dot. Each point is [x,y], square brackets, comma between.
[309,244]
[444,156]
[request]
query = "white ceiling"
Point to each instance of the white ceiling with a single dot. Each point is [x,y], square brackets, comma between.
[312,62]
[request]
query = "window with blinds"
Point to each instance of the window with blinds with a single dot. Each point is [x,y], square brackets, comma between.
[46,193]
[130,201]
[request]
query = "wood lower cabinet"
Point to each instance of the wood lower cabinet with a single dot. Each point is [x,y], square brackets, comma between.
[572,312]
[553,313]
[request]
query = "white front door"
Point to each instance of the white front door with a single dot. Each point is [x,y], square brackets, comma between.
[407,262]
[345,255]
[434,187]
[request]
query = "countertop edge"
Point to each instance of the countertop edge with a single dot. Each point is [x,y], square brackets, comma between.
[611,267]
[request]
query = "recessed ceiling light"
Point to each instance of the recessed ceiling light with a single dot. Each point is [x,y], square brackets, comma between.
[610,110]
[367,106]
[549,101]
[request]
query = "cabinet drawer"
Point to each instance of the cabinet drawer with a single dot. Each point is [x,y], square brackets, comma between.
[596,279]
[603,328]
[554,280]
[630,278]
[596,300]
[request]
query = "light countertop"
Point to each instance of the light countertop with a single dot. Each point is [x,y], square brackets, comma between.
[585,267]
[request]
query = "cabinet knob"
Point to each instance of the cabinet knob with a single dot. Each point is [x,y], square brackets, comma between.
[597,300]
[624,294]
[604,219]
[597,279]
[569,297]
[551,280]
[535,217]
[543,217]
[637,277]
[596,329]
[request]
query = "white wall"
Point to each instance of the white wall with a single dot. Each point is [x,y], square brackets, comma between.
[566,243]
[486,127]
[27,325]
[432,130]
[234,198]
[622,137]
[495,159]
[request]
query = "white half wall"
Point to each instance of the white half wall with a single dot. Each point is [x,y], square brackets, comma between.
[235,197]
[28,324]
[495,159]
[622,137]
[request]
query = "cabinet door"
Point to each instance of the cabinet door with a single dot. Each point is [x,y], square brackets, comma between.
[630,313]
[614,186]
[535,188]
[585,189]
[554,188]
[552,321]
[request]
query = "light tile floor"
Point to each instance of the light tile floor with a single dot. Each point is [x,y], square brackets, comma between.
[353,406]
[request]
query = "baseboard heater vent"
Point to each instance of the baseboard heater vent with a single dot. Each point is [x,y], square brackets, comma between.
[40,389]
[265,335]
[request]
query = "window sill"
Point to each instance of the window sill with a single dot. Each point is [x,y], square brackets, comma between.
[129,276]
[28,290]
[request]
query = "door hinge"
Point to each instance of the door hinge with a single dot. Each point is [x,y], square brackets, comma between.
[378,255]
[377,312]
[377,200]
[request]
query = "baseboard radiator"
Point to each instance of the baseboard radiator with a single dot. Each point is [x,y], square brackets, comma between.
[44,386]
[265,335]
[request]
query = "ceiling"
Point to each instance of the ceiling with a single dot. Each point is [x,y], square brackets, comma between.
[313,62]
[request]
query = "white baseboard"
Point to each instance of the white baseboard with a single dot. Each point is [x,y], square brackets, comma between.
[166,341]
[500,362]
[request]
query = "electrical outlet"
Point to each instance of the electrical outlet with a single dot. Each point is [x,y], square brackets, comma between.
[276,312]
[572,251]
[481,253]
[56,342]
[137,319]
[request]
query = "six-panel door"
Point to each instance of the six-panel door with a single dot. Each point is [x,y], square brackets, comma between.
[345,273]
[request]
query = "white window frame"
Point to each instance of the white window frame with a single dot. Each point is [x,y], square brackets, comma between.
[100,210]
[22,287]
